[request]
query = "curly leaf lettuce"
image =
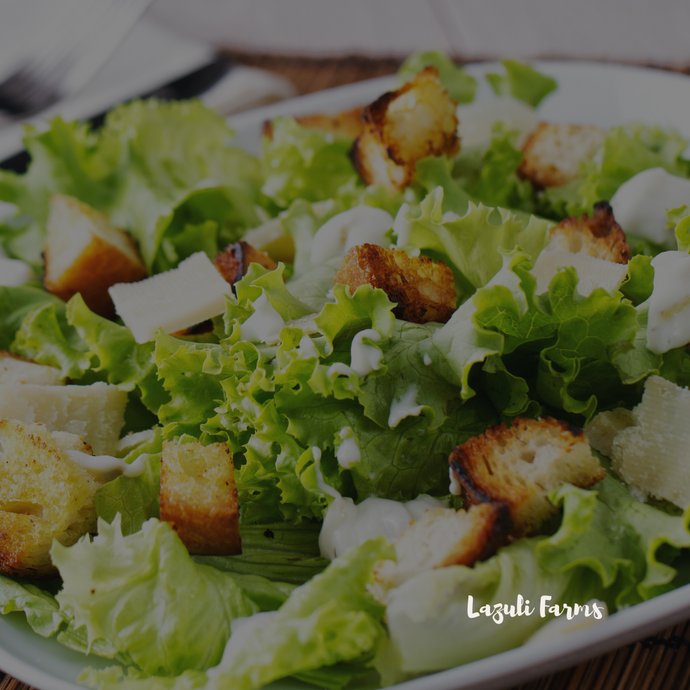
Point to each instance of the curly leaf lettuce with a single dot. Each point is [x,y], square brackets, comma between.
[142,168]
[145,595]
[522,81]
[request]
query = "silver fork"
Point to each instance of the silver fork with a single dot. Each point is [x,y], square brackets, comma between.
[65,64]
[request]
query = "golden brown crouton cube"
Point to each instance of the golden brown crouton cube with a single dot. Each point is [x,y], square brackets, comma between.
[233,261]
[599,236]
[347,123]
[43,496]
[521,465]
[16,369]
[424,290]
[84,252]
[553,152]
[443,537]
[404,126]
[198,497]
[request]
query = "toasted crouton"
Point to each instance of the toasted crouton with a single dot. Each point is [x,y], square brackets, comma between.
[95,412]
[599,236]
[521,465]
[347,123]
[233,261]
[198,497]
[403,126]
[84,252]
[443,537]
[424,290]
[16,369]
[43,496]
[553,152]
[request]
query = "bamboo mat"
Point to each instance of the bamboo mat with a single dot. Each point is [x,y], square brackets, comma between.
[660,662]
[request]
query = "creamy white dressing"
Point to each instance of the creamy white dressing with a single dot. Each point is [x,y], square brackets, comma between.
[347,525]
[264,325]
[339,368]
[401,226]
[365,358]
[405,407]
[455,489]
[358,225]
[14,272]
[127,443]
[476,120]
[668,324]
[348,453]
[640,204]
[323,486]
[427,360]
[105,467]
[306,349]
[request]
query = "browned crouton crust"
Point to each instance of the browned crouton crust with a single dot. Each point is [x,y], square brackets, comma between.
[553,152]
[599,236]
[345,124]
[521,465]
[403,126]
[198,497]
[106,255]
[443,537]
[233,261]
[43,496]
[424,291]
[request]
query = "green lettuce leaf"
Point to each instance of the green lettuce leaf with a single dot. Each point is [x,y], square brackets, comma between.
[489,173]
[522,81]
[45,340]
[469,244]
[124,362]
[145,595]
[633,566]
[333,618]
[16,303]
[142,168]
[134,499]
[301,163]
[460,85]
[281,552]
[42,611]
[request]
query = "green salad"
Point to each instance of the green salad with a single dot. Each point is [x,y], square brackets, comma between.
[341,400]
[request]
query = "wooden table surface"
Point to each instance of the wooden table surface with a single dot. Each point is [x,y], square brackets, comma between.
[660,662]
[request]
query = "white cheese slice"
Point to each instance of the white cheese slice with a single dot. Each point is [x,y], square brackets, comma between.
[651,455]
[14,272]
[668,324]
[16,370]
[174,300]
[592,272]
[358,225]
[476,120]
[640,204]
[95,412]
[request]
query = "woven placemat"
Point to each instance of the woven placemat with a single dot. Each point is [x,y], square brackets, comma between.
[660,662]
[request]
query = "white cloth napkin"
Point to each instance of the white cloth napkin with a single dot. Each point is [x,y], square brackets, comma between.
[151,55]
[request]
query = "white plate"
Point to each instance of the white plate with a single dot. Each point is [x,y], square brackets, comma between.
[602,95]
